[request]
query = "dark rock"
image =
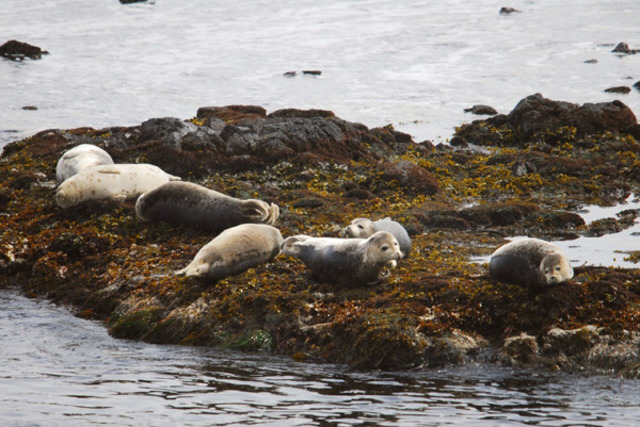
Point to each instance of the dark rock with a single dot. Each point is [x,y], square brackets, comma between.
[308,203]
[30,107]
[536,114]
[312,72]
[458,142]
[618,89]
[359,193]
[132,1]
[231,112]
[591,61]
[410,175]
[293,112]
[622,47]
[290,74]
[481,109]
[505,10]
[637,85]
[17,51]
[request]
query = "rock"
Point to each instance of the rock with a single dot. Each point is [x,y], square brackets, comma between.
[458,142]
[481,109]
[505,10]
[522,348]
[622,47]
[290,74]
[18,51]
[535,113]
[231,113]
[591,61]
[618,89]
[312,72]
[637,85]
[411,176]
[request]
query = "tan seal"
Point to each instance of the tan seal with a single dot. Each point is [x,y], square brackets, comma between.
[234,251]
[80,157]
[116,182]
[530,262]
[194,206]
[349,262]
[364,227]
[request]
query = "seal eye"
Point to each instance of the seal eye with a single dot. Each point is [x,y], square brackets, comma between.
[360,227]
[384,248]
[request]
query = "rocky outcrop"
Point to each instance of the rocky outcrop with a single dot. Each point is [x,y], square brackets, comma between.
[436,308]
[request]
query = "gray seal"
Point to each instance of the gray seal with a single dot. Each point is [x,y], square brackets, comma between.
[363,228]
[234,251]
[194,206]
[349,262]
[530,262]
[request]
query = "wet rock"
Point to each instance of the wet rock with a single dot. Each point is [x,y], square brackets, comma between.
[458,142]
[618,89]
[505,10]
[454,348]
[523,348]
[231,113]
[312,72]
[637,85]
[18,51]
[481,109]
[294,112]
[623,47]
[591,61]
[536,113]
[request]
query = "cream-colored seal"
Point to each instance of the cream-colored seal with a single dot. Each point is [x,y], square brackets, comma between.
[234,251]
[349,262]
[530,262]
[194,206]
[79,158]
[116,182]
[364,227]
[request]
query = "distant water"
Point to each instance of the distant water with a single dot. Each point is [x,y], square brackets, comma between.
[59,370]
[415,64]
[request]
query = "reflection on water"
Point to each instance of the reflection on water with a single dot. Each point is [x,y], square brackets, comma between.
[61,370]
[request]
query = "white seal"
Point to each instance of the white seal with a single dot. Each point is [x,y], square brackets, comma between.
[116,182]
[363,228]
[79,158]
[349,262]
[530,262]
[234,251]
[191,205]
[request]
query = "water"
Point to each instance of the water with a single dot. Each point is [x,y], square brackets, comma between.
[61,370]
[412,63]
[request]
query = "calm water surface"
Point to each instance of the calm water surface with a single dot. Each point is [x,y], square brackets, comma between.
[61,370]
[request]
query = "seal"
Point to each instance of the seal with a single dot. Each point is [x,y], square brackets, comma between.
[79,158]
[349,262]
[194,206]
[364,227]
[234,251]
[116,182]
[530,262]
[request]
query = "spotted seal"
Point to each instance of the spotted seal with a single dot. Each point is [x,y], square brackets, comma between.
[350,262]
[194,206]
[115,182]
[79,158]
[530,262]
[364,227]
[235,250]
